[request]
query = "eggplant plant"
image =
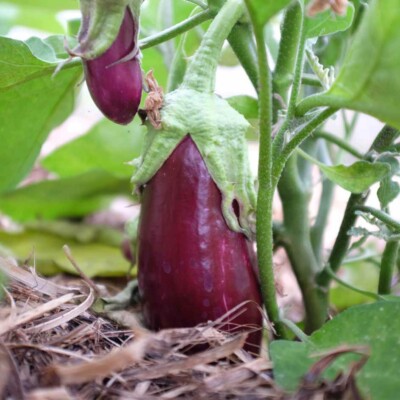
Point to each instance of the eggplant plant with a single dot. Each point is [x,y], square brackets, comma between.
[323,111]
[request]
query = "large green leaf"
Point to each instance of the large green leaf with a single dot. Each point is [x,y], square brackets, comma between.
[374,325]
[31,104]
[106,147]
[355,178]
[327,22]
[369,80]
[68,197]
[93,257]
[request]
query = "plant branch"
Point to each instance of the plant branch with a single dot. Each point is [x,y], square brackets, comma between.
[381,215]
[288,53]
[266,190]
[388,263]
[310,80]
[242,43]
[339,142]
[325,202]
[307,130]
[175,30]
[348,286]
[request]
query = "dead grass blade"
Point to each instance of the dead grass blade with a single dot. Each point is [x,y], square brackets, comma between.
[59,393]
[31,280]
[63,316]
[4,370]
[117,360]
[27,316]
[202,358]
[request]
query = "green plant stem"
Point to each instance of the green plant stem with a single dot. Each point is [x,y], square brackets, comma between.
[310,80]
[307,130]
[381,215]
[297,244]
[200,74]
[288,53]
[242,43]
[296,330]
[339,142]
[264,223]
[310,102]
[296,221]
[175,30]
[318,228]
[354,289]
[342,241]
[388,263]
[382,142]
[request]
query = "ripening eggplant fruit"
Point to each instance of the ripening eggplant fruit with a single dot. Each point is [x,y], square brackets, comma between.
[195,256]
[115,84]
[192,267]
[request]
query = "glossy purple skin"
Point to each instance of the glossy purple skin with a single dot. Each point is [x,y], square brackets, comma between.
[116,89]
[192,267]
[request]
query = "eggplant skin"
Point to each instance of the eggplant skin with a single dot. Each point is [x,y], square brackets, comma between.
[117,89]
[192,267]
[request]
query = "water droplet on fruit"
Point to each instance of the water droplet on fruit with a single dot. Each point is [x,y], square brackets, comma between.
[208,283]
[166,267]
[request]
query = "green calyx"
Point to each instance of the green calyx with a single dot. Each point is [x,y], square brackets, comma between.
[101,21]
[219,133]
[218,130]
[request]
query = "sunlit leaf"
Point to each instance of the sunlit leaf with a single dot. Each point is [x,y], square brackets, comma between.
[328,22]
[369,80]
[106,147]
[69,197]
[355,178]
[94,258]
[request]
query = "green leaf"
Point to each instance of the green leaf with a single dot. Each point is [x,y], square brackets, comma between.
[388,191]
[374,325]
[369,80]
[388,188]
[362,275]
[265,10]
[94,258]
[327,22]
[106,147]
[245,105]
[355,178]
[31,104]
[69,197]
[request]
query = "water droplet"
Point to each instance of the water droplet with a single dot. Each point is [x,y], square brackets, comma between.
[206,303]
[208,283]
[166,267]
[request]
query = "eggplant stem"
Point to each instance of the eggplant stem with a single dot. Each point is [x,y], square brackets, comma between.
[201,71]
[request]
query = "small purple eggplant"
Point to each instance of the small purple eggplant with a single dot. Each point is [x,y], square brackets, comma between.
[114,78]
[192,267]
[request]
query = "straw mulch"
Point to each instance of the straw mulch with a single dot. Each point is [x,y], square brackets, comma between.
[54,346]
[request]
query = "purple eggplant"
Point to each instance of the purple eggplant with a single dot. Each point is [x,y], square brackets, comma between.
[192,267]
[114,78]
